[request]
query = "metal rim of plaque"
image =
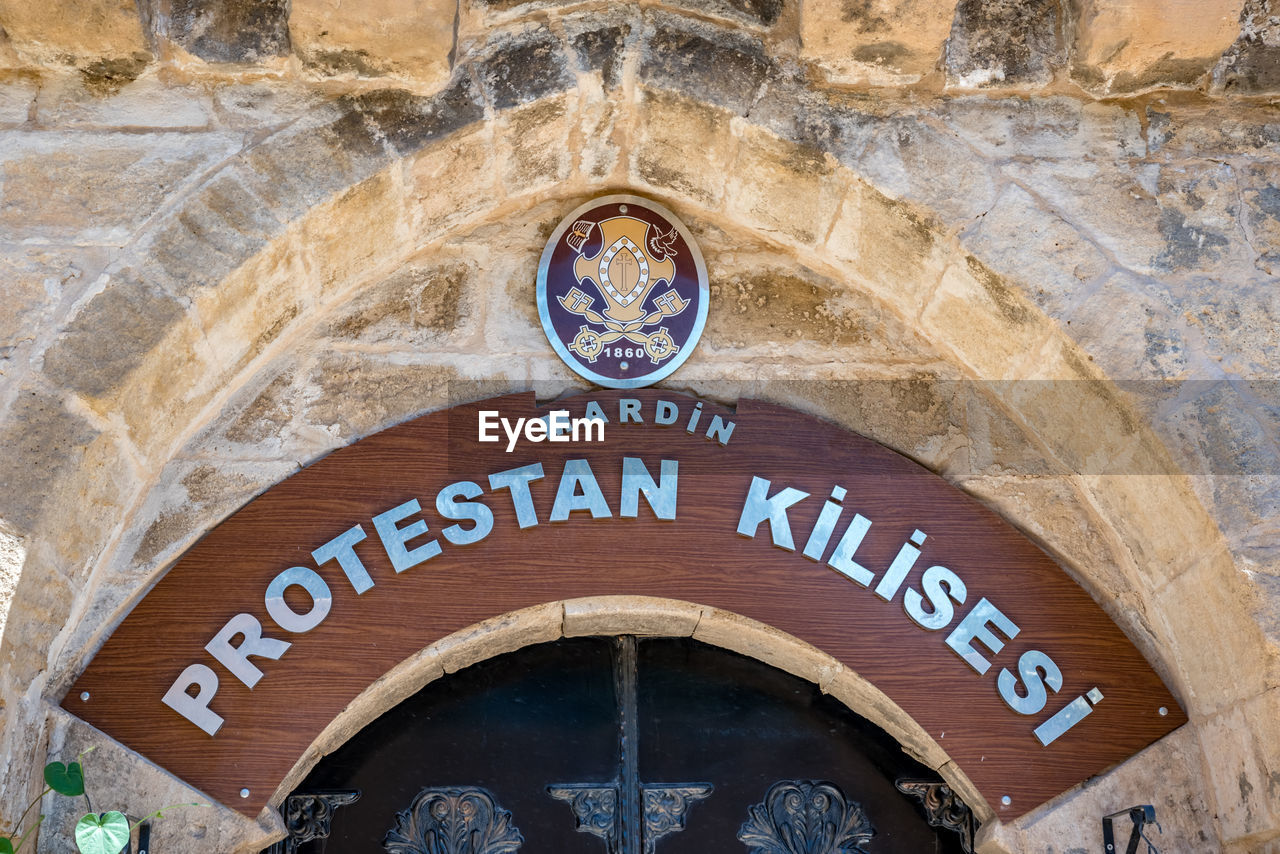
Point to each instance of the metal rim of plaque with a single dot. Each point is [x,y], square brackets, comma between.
[622,291]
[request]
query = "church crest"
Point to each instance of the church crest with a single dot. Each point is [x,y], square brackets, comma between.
[622,292]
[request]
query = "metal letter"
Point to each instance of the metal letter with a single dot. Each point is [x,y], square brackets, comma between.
[825,526]
[842,558]
[974,625]
[236,658]
[448,506]
[760,506]
[578,473]
[289,619]
[517,480]
[393,538]
[665,413]
[341,548]
[195,709]
[720,430]
[1029,665]
[595,413]
[629,410]
[1070,715]
[941,585]
[636,479]
[693,418]
[897,571]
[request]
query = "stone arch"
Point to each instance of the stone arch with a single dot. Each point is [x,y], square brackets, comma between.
[288,232]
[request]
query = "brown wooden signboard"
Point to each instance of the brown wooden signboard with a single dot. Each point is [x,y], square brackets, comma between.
[971,628]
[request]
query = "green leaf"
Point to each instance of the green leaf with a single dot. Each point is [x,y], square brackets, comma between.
[6,845]
[105,834]
[65,779]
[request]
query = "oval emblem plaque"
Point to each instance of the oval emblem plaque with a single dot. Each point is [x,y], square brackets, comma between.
[622,291]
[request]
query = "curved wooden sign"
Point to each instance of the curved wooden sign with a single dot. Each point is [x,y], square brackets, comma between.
[265,630]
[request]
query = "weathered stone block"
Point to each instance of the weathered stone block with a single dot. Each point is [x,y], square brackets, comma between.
[784,189]
[230,30]
[706,63]
[536,149]
[1116,209]
[839,123]
[143,103]
[1215,660]
[452,181]
[1052,262]
[919,414]
[1260,213]
[110,336]
[214,232]
[80,30]
[1241,769]
[43,441]
[1131,328]
[1166,775]
[1005,43]
[874,42]
[1197,130]
[356,395]
[116,779]
[524,67]
[682,146]
[411,39]
[94,188]
[755,304]
[600,45]
[1136,46]
[599,154]
[631,615]
[999,445]
[33,282]
[894,250]
[320,155]
[989,323]
[1198,220]
[1054,128]
[248,311]
[1251,65]
[409,122]
[419,305]
[362,230]
[17,96]
[256,105]
[41,605]
[905,157]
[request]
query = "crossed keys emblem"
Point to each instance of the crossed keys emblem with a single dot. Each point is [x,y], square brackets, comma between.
[631,264]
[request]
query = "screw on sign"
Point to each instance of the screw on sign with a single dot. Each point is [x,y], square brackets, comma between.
[622,291]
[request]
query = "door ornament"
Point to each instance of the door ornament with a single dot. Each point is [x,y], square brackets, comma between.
[630,816]
[806,817]
[942,808]
[453,820]
[308,816]
[596,810]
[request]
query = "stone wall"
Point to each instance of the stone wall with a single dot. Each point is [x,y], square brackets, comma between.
[1032,245]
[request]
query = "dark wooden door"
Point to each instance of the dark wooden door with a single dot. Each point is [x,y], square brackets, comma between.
[623,746]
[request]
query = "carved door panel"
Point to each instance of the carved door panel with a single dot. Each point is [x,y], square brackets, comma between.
[622,746]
